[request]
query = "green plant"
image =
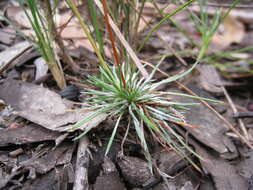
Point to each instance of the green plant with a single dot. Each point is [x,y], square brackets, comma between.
[142,102]
[207,26]
[166,18]
[43,27]
[121,92]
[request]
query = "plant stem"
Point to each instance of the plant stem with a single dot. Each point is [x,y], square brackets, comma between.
[87,33]
[112,39]
[155,28]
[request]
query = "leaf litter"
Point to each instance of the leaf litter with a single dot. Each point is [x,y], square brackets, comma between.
[37,161]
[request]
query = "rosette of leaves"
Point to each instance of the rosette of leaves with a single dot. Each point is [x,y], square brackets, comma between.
[121,93]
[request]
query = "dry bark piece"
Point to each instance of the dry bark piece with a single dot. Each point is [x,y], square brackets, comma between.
[82,164]
[224,174]
[43,107]
[164,186]
[110,181]
[7,178]
[28,134]
[209,79]
[245,167]
[110,178]
[183,181]
[47,181]
[134,170]
[56,179]
[70,172]
[59,156]
[12,53]
[98,156]
[187,186]
[7,36]
[170,162]
[62,178]
[207,184]
[210,130]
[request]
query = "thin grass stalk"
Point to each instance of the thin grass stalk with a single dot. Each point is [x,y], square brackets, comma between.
[178,27]
[157,26]
[87,33]
[121,38]
[111,36]
[57,71]
[112,39]
[136,26]
[45,40]
[96,23]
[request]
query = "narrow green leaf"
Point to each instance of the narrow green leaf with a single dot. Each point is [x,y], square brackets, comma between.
[113,135]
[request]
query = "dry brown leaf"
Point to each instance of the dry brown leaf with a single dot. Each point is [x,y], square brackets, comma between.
[18,16]
[144,21]
[49,110]
[233,31]
[209,79]
[68,27]
[71,32]
[71,27]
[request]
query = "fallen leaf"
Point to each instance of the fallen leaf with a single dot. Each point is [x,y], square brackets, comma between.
[223,173]
[71,27]
[27,134]
[18,16]
[230,31]
[211,130]
[44,107]
[209,79]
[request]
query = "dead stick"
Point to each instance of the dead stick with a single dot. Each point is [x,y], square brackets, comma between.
[82,163]
[234,109]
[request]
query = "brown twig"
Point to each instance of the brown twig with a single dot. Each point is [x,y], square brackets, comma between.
[82,163]
[234,109]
